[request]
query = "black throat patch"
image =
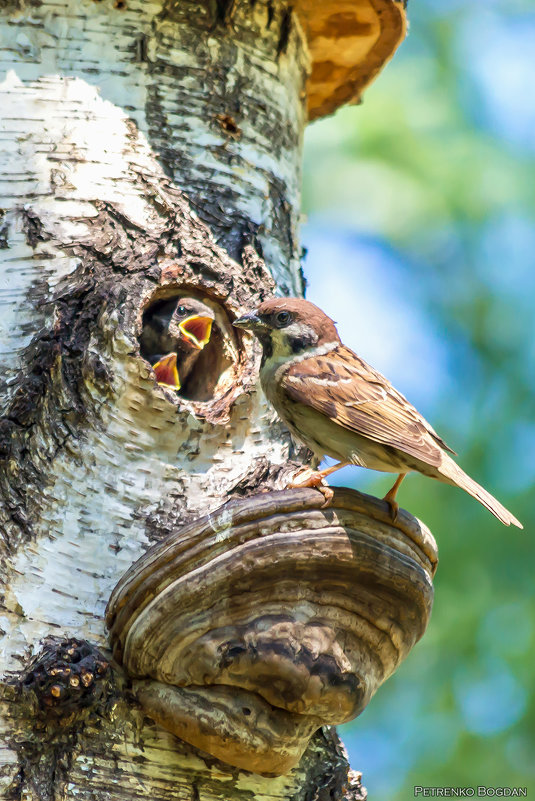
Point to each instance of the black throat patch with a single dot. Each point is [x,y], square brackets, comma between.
[300,343]
[264,338]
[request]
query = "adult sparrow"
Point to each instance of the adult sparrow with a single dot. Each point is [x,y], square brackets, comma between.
[339,406]
[174,333]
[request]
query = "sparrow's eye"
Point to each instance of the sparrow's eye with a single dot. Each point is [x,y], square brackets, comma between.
[283,318]
[181,311]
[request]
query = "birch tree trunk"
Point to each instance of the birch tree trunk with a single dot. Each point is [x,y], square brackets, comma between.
[144,145]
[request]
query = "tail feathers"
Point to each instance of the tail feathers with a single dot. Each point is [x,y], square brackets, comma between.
[453,474]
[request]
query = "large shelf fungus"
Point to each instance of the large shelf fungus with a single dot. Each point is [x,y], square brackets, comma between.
[247,630]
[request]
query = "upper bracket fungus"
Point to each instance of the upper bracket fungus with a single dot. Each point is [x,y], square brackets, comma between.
[250,628]
[349,42]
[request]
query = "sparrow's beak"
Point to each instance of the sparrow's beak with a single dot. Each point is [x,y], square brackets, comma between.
[251,321]
[197,330]
[166,372]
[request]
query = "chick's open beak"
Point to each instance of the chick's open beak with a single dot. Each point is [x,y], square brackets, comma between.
[251,321]
[197,330]
[166,371]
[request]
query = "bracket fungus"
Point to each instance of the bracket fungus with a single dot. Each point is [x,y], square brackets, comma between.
[349,42]
[248,629]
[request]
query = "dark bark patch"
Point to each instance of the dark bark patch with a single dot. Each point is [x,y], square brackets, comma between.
[67,686]
[67,676]
[4,231]
[222,11]
[229,125]
[337,783]
[270,13]
[264,476]
[285,31]
[141,50]
[33,228]
[9,6]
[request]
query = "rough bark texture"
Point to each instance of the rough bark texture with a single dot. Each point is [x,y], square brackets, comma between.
[109,111]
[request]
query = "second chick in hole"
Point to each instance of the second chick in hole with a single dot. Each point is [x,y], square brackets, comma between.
[174,333]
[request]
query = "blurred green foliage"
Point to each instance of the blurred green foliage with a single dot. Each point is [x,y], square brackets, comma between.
[435,176]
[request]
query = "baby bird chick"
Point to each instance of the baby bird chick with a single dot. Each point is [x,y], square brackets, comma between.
[174,333]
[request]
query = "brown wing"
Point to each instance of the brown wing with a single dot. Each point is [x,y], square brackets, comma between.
[343,387]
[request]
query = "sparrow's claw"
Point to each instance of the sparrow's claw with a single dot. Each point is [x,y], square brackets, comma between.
[306,478]
[390,497]
[394,508]
[328,494]
[315,479]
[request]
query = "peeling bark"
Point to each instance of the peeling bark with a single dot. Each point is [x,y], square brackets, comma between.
[147,147]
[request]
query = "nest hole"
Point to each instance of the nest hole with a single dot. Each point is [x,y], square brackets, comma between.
[188,339]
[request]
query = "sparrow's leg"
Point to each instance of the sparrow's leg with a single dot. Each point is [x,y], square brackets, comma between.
[313,478]
[333,469]
[390,496]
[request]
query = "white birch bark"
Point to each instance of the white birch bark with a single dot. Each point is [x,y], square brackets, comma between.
[106,110]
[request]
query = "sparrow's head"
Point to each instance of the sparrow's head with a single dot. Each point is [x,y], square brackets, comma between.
[191,322]
[289,326]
